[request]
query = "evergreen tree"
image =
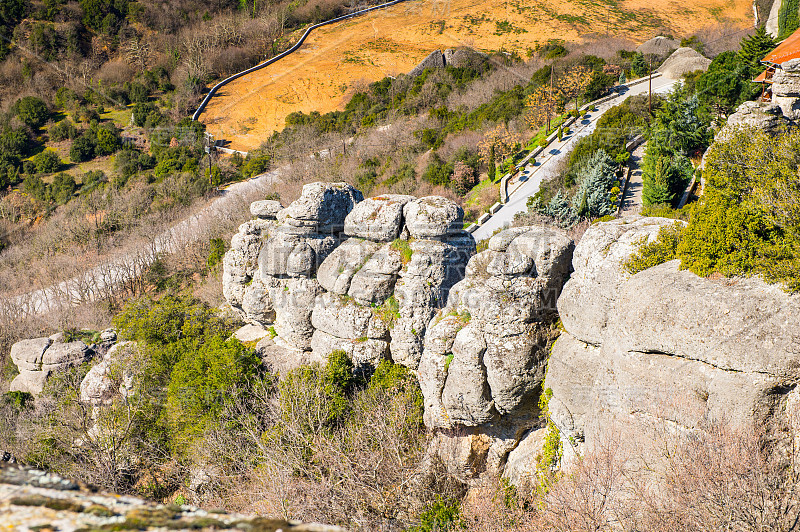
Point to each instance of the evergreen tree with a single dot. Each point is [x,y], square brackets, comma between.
[639,66]
[753,48]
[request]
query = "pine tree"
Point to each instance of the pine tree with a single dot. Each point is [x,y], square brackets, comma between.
[753,48]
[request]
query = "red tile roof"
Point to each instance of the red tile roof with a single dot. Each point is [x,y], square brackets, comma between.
[788,49]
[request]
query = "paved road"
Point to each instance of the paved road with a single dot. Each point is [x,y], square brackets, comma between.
[547,164]
[632,201]
[95,283]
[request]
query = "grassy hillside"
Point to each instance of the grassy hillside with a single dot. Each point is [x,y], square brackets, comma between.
[338,59]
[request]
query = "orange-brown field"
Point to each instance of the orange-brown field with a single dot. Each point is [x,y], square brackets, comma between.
[336,59]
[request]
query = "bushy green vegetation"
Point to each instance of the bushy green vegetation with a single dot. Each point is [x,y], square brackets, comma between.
[746,222]
[663,249]
[344,437]
[727,84]
[788,18]
[681,129]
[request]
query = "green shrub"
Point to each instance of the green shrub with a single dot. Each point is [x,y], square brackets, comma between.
[441,516]
[108,140]
[17,400]
[62,131]
[329,387]
[82,149]
[168,320]
[203,380]
[255,165]
[663,249]
[32,111]
[216,252]
[405,250]
[47,162]
[63,188]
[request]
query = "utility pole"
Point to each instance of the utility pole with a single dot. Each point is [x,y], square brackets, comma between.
[650,88]
[550,97]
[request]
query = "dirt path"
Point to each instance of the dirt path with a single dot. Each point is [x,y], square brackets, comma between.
[338,59]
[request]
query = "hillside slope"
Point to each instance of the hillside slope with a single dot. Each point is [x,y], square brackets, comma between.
[320,76]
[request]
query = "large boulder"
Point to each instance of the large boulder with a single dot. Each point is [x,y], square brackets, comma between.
[434,60]
[433,217]
[38,358]
[464,57]
[658,46]
[322,207]
[379,219]
[27,354]
[666,350]
[265,209]
[767,117]
[331,261]
[684,61]
[599,269]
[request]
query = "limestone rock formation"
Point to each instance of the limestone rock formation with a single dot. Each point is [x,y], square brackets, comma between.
[265,209]
[660,46]
[683,61]
[37,358]
[485,353]
[786,88]
[36,500]
[463,56]
[335,271]
[379,219]
[434,60]
[597,261]
[765,116]
[111,377]
[665,349]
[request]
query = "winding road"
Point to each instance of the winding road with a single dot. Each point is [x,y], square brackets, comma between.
[547,165]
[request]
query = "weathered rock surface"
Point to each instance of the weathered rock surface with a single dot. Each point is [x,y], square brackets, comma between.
[322,207]
[434,60]
[665,349]
[433,217]
[485,353]
[379,219]
[786,88]
[37,358]
[111,377]
[660,46]
[422,288]
[335,271]
[598,264]
[464,56]
[765,116]
[27,354]
[684,61]
[265,209]
[36,500]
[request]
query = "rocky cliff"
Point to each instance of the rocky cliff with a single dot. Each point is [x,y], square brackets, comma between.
[666,350]
[333,271]
[395,277]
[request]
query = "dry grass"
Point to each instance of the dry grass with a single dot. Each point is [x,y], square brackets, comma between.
[324,72]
